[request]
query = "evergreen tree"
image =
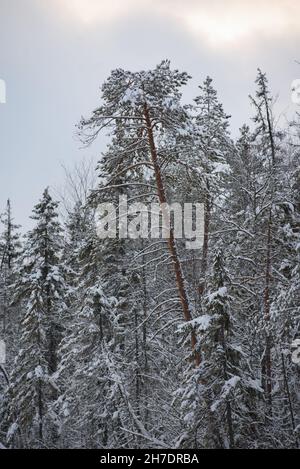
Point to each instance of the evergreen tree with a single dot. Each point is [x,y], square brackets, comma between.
[39,289]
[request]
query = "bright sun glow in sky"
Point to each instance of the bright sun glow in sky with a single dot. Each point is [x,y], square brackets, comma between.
[219,22]
[94,11]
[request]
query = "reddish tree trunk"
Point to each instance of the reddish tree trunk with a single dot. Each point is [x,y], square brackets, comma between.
[171,241]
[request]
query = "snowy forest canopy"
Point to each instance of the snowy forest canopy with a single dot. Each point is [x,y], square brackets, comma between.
[122,343]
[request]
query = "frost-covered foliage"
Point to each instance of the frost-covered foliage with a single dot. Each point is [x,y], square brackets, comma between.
[120,343]
[39,290]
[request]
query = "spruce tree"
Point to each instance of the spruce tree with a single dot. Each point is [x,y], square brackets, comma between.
[39,290]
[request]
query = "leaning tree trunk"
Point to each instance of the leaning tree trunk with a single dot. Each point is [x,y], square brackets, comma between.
[171,240]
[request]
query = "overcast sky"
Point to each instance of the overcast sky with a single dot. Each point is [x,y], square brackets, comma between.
[54,55]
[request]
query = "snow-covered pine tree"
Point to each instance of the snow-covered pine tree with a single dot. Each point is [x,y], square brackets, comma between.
[39,290]
[29,390]
[10,244]
[10,249]
[265,139]
[142,111]
[214,148]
